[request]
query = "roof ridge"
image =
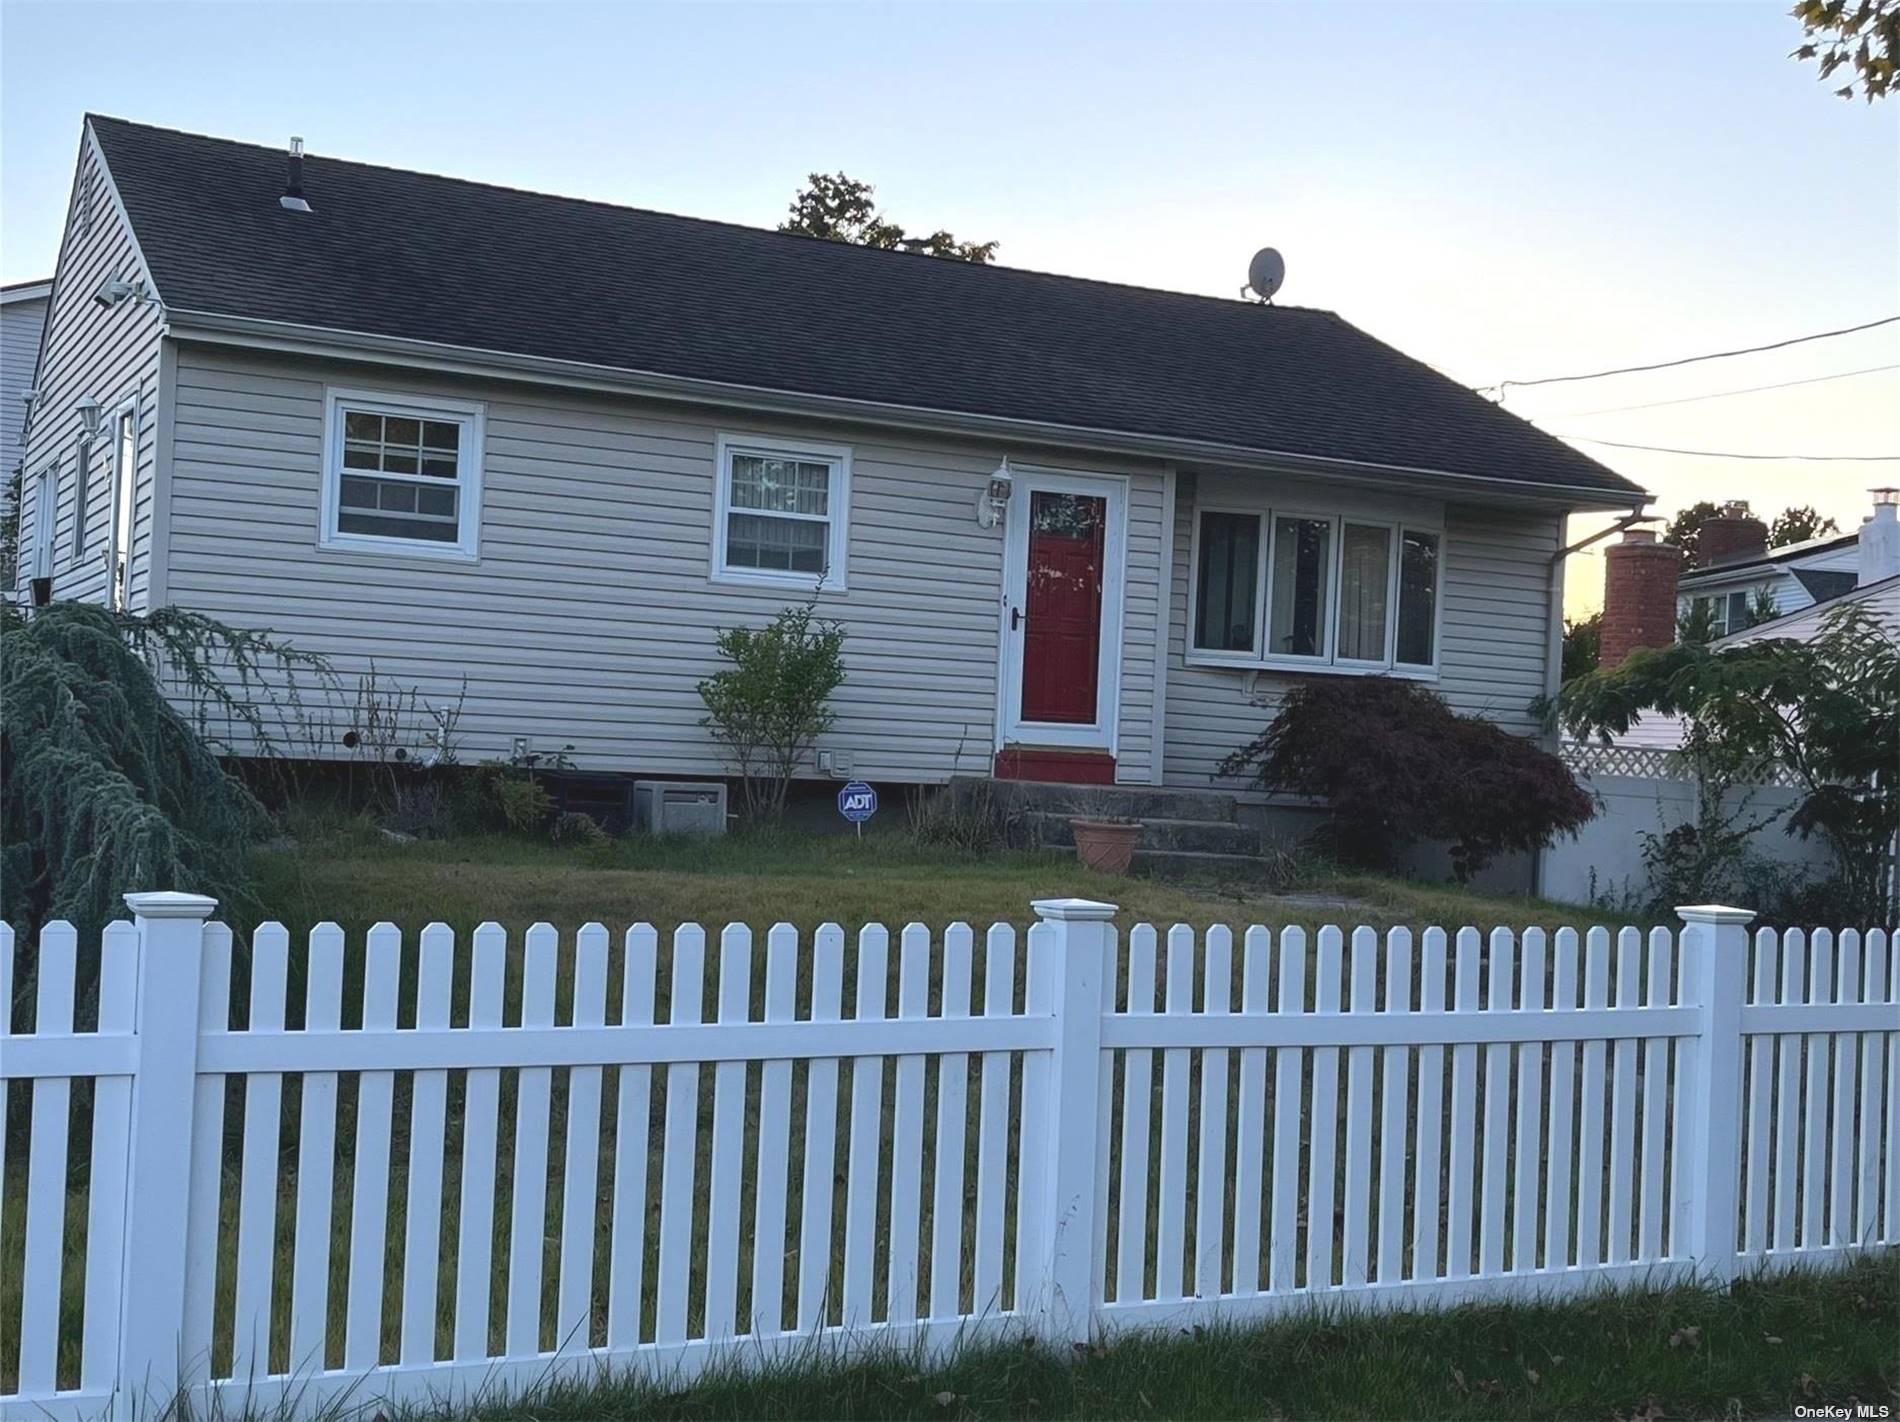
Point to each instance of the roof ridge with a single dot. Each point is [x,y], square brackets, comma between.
[1035,273]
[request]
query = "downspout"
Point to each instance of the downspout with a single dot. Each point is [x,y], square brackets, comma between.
[1554,643]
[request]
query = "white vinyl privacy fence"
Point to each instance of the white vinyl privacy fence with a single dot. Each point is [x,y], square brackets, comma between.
[395,1168]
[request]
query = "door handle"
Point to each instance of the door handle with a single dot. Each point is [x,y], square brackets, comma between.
[1015,618]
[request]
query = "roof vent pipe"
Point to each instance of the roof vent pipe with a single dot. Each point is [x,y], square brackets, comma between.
[293,179]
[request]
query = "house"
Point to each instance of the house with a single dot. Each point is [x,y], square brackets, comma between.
[22,318]
[1074,530]
[1741,576]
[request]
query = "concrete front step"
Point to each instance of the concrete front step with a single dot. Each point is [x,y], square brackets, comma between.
[1053,828]
[1139,802]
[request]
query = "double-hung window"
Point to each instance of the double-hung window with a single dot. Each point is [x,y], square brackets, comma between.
[1296,589]
[781,513]
[402,475]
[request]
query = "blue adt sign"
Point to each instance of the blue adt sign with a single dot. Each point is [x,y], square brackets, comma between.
[857,802]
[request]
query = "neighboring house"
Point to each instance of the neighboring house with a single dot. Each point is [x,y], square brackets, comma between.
[1740,569]
[1643,784]
[22,318]
[1073,530]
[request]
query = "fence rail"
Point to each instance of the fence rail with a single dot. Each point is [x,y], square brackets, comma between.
[391,1169]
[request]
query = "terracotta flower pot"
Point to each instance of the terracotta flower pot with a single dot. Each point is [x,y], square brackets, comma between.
[1105,846]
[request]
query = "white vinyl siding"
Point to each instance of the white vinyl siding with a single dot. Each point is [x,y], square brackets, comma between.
[21,321]
[591,614]
[1493,599]
[110,355]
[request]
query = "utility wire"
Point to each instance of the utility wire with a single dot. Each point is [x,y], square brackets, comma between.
[1723,454]
[1504,385]
[1725,394]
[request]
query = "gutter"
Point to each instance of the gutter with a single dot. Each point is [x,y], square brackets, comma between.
[296,338]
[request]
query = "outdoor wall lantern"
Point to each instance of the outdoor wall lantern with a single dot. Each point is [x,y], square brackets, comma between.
[88,409]
[994,498]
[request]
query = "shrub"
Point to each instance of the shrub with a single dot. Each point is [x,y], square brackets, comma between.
[770,706]
[525,803]
[577,829]
[104,787]
[1395,764]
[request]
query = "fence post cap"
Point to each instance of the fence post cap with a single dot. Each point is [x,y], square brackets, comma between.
[168,903]
[1714,913]
[1074,910]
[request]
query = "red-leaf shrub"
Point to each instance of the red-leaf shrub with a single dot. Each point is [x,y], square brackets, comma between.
[1395,764]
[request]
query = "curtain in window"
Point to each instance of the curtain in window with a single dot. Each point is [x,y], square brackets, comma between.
[1302,551]
[1365,567]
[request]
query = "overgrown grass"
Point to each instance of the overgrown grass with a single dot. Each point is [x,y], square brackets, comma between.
[1758,1350]
[347,871]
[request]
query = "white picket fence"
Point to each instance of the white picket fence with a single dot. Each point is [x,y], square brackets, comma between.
[482,1169]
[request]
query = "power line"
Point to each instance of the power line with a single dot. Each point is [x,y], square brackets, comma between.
[1724,394]
[1504,385]
[1724,454]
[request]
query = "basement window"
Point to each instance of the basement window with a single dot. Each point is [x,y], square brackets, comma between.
[401,475]
[780,514]
[1314,591]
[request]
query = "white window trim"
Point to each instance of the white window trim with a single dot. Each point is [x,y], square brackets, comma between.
[470,415]
[1208,656]
[837,539]
[1329,662]
[110,552]
[44,485]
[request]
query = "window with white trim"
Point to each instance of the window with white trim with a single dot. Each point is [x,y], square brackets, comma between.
[1293,589]
[125,458]
[781,513]
[402,475]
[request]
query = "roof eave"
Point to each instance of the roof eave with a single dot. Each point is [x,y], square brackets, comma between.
[296,338]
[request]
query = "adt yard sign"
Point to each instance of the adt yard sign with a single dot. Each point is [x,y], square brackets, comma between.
[857,802]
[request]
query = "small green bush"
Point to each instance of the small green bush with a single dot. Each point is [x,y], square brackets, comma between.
[525,803]
[771,704]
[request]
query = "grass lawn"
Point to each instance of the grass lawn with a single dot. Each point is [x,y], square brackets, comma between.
[347,871]
[1759,1350]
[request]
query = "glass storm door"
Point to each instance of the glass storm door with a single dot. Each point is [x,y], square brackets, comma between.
[1062,608]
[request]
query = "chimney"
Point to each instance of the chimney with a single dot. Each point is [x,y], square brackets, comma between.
[1733,536]
[1639,594]
[293,179]
[1880,539]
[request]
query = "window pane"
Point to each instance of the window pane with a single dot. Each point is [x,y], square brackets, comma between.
[781,485]
[1302,551]
[389,508]
[82,498]
[439,466]
[779,544]
[400,429]
[1365,570]
[382,525]
[1737,611]
[1228,580]
[1418,597]
[397,461]
[440,434]
[362,456]
[358,425]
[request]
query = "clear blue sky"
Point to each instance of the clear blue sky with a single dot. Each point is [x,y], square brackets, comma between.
[1504,190]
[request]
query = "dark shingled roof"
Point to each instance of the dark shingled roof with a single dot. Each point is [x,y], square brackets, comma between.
[399,254]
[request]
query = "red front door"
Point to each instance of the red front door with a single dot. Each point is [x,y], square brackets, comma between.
[1062,607]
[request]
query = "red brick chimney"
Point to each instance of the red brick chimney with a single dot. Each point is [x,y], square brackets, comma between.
[1639,594]
[1733,536]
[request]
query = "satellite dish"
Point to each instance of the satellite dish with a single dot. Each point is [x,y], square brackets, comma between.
[1265,273]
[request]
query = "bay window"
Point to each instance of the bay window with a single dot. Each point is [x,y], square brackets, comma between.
[1329,592]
